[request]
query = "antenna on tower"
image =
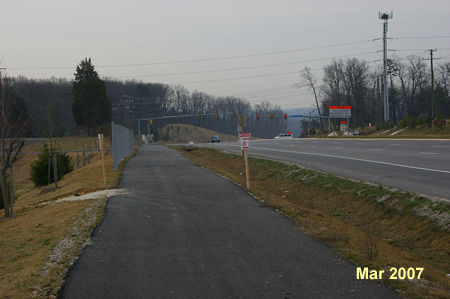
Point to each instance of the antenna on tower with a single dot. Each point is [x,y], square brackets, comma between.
[385,16]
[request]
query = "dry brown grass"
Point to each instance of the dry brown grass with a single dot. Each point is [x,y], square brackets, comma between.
[347,216]
[28,239]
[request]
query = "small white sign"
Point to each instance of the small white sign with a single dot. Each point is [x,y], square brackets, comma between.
[244,143]
[244,138]
[100,137]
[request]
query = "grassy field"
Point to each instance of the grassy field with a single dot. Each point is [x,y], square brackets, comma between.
[182,133]
[43,238]
[371,225]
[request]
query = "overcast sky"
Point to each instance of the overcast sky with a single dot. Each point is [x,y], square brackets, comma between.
[207,45]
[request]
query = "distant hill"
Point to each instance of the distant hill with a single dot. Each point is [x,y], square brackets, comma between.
[294,125]
[301,111]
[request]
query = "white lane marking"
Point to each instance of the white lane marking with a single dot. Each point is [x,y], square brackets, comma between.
[442,146]
[338,147]
[376,149]
[394,144]
[357,159]
[429,153]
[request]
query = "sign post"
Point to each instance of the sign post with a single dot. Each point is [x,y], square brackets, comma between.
[340,112]
[244,137]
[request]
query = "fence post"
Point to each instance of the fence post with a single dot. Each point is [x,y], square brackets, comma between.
[48,171]
[101,146]
[84,158]
[55,170]
[78,160]
[139,132]
[11,192]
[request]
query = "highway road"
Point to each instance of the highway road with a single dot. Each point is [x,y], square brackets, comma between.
[184,232]
[420,166]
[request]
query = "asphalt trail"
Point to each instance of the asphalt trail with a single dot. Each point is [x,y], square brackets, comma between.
[184,232]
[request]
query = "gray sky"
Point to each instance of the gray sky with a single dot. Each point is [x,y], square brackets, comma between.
[127,39]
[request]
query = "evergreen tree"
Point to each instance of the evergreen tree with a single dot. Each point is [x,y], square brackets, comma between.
[91,106]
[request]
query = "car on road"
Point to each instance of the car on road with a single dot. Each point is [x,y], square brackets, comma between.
[215,138]
[287,135]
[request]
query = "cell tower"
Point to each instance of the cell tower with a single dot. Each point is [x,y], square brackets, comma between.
[385,16]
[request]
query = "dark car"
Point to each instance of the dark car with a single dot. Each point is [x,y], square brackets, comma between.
[215,138]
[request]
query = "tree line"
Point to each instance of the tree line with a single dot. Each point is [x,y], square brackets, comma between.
[87,104]
[352,82]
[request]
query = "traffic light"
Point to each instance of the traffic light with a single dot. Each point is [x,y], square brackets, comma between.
[217,115]
[257,116]
[285,116]
[150,122]
[235,115]
[201,116]
[271,116]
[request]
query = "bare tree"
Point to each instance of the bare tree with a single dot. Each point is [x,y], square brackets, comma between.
[417,76]
[14,125]
[310,81]
[444,76]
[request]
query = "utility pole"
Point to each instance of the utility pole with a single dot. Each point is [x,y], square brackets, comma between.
[433,100]
[385,16]
[378,98]
[432,89]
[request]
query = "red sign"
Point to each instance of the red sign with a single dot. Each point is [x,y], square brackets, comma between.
[248,135]
[340,107]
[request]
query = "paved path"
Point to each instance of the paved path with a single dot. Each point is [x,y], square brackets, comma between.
[186,233]
[420,166]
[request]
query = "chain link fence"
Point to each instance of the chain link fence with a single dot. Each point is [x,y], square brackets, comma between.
[122,143]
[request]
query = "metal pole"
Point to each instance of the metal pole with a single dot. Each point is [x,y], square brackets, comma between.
[329,124]
[309,125]
[432,91]
[11,191]
[139,132]
[385,91]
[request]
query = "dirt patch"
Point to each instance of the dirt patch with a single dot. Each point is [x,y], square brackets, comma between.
[67,251]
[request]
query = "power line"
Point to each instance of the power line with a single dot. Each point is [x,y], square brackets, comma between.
[240,78]
[268,89]
[206,59]
[422,37]
[296,92]
[249,67]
